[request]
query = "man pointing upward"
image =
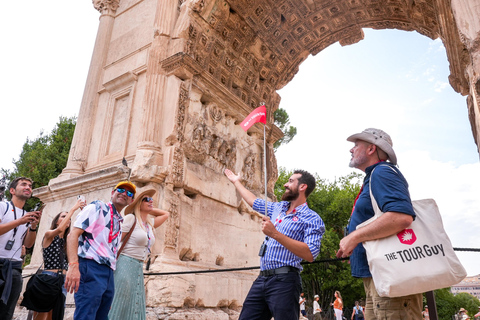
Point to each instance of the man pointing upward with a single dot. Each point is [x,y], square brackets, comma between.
[294,235]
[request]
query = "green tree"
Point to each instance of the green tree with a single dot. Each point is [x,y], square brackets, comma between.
[45,157]
[449,304]
[282,121]
[333,201]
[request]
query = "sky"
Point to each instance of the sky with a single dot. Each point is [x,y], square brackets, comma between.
[393,80]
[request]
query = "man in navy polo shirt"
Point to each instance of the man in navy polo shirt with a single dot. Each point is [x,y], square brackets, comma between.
[372,149]
[293,233]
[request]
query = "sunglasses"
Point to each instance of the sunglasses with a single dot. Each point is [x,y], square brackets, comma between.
[147,199]
[122,190]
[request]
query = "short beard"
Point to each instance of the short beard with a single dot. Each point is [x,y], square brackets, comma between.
[21,197]
[358,161]
[293,195]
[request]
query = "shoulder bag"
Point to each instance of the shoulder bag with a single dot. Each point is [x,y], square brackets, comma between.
[127,236]
[418,259]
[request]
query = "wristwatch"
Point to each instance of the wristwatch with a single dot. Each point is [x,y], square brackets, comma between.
[34,230]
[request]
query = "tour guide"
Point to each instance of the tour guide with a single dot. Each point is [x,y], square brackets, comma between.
[295,235]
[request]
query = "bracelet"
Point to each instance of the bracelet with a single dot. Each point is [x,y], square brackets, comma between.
[72,263]
[33,230]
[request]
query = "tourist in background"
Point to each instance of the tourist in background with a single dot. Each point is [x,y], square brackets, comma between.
[302,304]
[358,313]
[338,305]
[55,260]
[129,300]
[316,308]
[425,314]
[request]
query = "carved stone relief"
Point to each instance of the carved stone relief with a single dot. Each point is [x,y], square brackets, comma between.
[249,169]
[172,223]
[209,143]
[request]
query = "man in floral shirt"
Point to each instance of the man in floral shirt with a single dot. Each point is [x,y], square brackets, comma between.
[92,253]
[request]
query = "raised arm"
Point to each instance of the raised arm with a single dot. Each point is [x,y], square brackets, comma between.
[160,216]
[50,234]
[246,194]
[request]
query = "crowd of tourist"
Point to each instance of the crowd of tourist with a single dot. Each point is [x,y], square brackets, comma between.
[97,258]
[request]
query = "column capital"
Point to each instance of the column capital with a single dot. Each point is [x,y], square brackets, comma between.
[106,6]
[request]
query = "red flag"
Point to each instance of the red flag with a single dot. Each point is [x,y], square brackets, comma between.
[257,115]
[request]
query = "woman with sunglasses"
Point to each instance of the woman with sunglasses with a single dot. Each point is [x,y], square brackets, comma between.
[129,299]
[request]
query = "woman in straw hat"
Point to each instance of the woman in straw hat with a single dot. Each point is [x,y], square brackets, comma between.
[129,299]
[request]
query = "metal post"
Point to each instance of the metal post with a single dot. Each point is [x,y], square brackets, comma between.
[265,166]
[432,306]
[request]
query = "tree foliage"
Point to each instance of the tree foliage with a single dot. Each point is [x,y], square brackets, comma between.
[448,304]
[333,201]
[45,157]
[282,121]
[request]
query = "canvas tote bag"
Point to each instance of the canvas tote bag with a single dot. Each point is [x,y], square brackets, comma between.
[418,259]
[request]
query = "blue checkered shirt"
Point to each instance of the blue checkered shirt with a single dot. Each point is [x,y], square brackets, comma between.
[303,225]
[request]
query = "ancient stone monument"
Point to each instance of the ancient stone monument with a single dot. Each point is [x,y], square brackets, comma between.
[168,82]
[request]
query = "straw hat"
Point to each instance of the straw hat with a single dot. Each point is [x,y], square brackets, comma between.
[148,193]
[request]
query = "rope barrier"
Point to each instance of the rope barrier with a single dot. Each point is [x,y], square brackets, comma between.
[467,249]
[233,269]
[258,267]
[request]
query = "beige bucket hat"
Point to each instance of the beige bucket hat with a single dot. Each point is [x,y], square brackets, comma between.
[379,138]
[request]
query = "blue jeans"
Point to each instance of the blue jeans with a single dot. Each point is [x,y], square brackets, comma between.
[273,296]
[95,294]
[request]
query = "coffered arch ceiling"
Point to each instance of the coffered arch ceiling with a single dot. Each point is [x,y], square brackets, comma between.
[255,47]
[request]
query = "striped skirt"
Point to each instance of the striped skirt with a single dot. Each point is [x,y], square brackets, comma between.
[129,300]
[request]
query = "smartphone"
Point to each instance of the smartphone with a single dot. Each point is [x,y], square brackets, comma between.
[39,207]
[81,197]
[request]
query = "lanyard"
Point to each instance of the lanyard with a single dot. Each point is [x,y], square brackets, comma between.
[15,215]
[112,236]
[148,236]
[356,198]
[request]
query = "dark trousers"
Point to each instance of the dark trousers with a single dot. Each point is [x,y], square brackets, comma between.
[95,293]
[273,296]
[6,311]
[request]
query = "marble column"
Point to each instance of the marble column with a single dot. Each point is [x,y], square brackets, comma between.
[149,157]
[77,160]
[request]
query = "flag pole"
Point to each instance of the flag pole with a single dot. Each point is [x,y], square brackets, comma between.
[265,164]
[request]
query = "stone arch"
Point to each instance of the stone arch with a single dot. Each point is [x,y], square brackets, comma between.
[181,74]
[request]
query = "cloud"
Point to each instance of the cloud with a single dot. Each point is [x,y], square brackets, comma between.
[456,190]
[427,102]
[440,86]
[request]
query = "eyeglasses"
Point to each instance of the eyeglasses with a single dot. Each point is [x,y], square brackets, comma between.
[147,199]
[122,190]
